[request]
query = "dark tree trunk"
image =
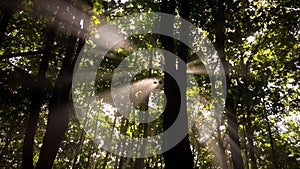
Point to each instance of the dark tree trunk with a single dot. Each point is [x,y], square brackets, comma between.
[121,162]
[275,166]
[222,149]
[37,95]
[249,132]
[60,104]
[246,148]
[219,28]
[36,102]
[59,109]
[180,154]
[233,128]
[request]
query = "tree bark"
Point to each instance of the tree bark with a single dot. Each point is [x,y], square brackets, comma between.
[181,153]
[246,148]
[233,128]
[36,101]
[235,148]
[221,149]
[60,104]
[251,145]
[59,109]
[271,141]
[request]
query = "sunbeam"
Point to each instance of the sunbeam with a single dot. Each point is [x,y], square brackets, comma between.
[138,91]
[196,67]
[64,11]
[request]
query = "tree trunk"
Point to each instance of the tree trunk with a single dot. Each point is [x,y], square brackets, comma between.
[36,101]
[59,110]
[235,147]
[233,128]
[246,148]
[60,104]
[251,145]
[271,141]
[221,149]
[181,153]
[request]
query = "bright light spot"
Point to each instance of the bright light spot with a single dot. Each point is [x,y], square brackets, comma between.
[271,85]
[250,39]
[81,24]
[222,127]
[290,84]
[109,110]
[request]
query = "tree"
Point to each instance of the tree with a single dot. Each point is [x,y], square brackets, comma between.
[38,92]
[257,41]
[60,103]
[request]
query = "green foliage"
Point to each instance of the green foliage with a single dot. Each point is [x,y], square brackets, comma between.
[261,49]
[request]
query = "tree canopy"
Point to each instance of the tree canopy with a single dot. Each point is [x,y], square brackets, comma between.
[41,48]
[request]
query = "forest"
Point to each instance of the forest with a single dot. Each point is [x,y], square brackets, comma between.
[138,84]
